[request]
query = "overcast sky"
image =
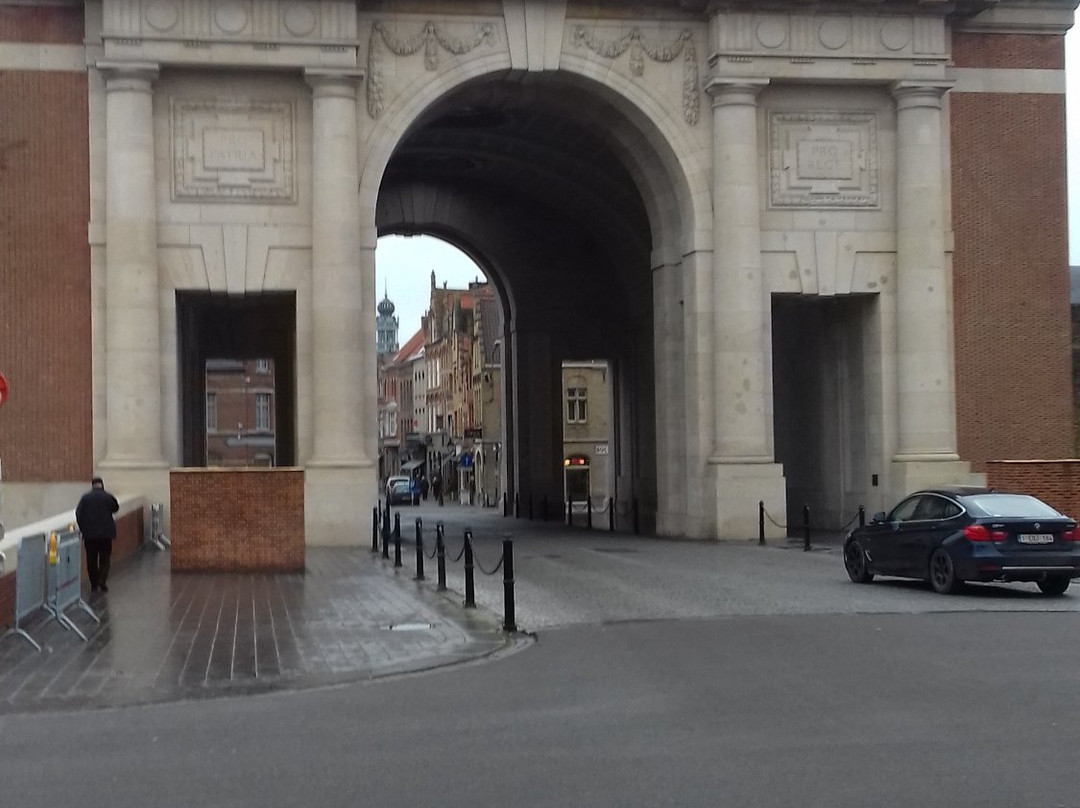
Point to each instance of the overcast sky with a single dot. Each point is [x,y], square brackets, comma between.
[404,265]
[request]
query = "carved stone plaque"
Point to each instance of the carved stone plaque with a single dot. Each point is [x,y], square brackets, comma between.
[823,159]
[226,151]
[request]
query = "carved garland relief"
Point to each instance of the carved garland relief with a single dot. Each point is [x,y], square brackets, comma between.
[823,159]
[431,38]
[225,151]
[640,47]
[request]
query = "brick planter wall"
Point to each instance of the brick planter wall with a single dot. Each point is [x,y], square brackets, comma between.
[237,520]
[1056,482]
[7,601]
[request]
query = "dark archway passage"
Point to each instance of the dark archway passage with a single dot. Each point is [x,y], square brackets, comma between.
[526,182]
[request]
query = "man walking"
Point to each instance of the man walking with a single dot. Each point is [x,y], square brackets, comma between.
[94,513]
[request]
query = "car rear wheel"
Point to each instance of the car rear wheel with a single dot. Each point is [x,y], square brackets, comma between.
[1054,584]
[943,573]
[858,569]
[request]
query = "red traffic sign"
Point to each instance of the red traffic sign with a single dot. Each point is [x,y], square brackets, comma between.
[3,388]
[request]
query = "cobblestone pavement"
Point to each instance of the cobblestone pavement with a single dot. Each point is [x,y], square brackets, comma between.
[353,616]
[167,637]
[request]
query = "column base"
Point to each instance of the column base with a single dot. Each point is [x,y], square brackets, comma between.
[338,501]
[911,475]
[739,488]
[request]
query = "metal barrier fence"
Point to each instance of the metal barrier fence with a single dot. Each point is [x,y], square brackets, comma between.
[63,580]
[29,584]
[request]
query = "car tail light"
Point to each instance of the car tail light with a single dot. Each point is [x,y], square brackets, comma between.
[980,533]
[1069,535]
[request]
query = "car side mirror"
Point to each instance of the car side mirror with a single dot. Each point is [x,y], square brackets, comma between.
[879,516]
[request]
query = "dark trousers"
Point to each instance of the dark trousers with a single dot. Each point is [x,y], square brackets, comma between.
[98,553]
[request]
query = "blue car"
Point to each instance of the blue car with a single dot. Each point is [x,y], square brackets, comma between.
[951,535]
[400,492]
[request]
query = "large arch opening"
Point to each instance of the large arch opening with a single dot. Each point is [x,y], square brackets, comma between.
[536,183]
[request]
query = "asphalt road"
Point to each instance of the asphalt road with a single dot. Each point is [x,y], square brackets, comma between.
[664,674]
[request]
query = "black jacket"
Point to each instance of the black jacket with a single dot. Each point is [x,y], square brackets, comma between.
[94,513]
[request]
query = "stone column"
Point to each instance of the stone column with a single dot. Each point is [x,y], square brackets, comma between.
[132,323]
[925,383]
[742,452]
[340,479]
[742,434]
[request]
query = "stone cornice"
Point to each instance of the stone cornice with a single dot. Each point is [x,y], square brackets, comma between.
[1018,17]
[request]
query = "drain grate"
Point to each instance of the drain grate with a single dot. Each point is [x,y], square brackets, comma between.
[410,627]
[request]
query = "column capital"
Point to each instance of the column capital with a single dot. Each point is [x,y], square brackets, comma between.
[131,76]
[734,91]
[328,82]
[914,93]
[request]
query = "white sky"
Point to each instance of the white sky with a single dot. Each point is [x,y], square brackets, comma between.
[404,264]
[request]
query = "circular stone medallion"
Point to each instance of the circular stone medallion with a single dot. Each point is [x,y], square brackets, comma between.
[771,33]
[896,34]
[161,15]
[834,33]
[231,17]
[299,19]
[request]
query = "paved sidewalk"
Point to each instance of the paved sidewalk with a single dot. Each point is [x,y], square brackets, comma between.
[166,637]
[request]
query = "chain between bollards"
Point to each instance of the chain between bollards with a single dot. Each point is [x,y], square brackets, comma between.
[397,540]
[440,551]
[509,617]
[419,549]
[470,590]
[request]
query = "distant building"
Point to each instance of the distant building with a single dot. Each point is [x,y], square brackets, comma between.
[240,413]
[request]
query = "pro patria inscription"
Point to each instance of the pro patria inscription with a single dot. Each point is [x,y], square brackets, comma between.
[233,151]
[823,159]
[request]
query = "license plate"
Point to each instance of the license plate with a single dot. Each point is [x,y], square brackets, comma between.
[1035,538]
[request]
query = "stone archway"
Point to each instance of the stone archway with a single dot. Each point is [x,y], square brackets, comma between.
[565,202]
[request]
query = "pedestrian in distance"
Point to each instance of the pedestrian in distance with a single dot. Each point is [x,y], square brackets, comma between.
[424,485]
[94,515]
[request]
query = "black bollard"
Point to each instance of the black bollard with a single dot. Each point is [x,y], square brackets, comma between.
[569,513]
[761,521]
[806,527]
[509,620]
[862,516]
[386,534]
[544,509]
[517,505]
[419,549]
[637,520]
[470,591]
[611,514]
[397,540]
[375,529]
[530,506]
[440,552]
[506,505]
[588,512]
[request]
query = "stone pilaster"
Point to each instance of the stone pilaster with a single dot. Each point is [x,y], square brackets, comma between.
[742,456]
[132,327]
[340,479]
[925,386]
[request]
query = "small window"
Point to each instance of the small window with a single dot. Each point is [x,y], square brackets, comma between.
[576,405]
[211,412]
[262,411]
[262,366]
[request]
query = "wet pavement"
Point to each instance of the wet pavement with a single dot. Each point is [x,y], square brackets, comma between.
[164,637]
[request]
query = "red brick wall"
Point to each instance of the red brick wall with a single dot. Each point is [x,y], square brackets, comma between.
[1024,51]
[45,428]
[237,520]
[1011,283]
[49,25]
[1056,482]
